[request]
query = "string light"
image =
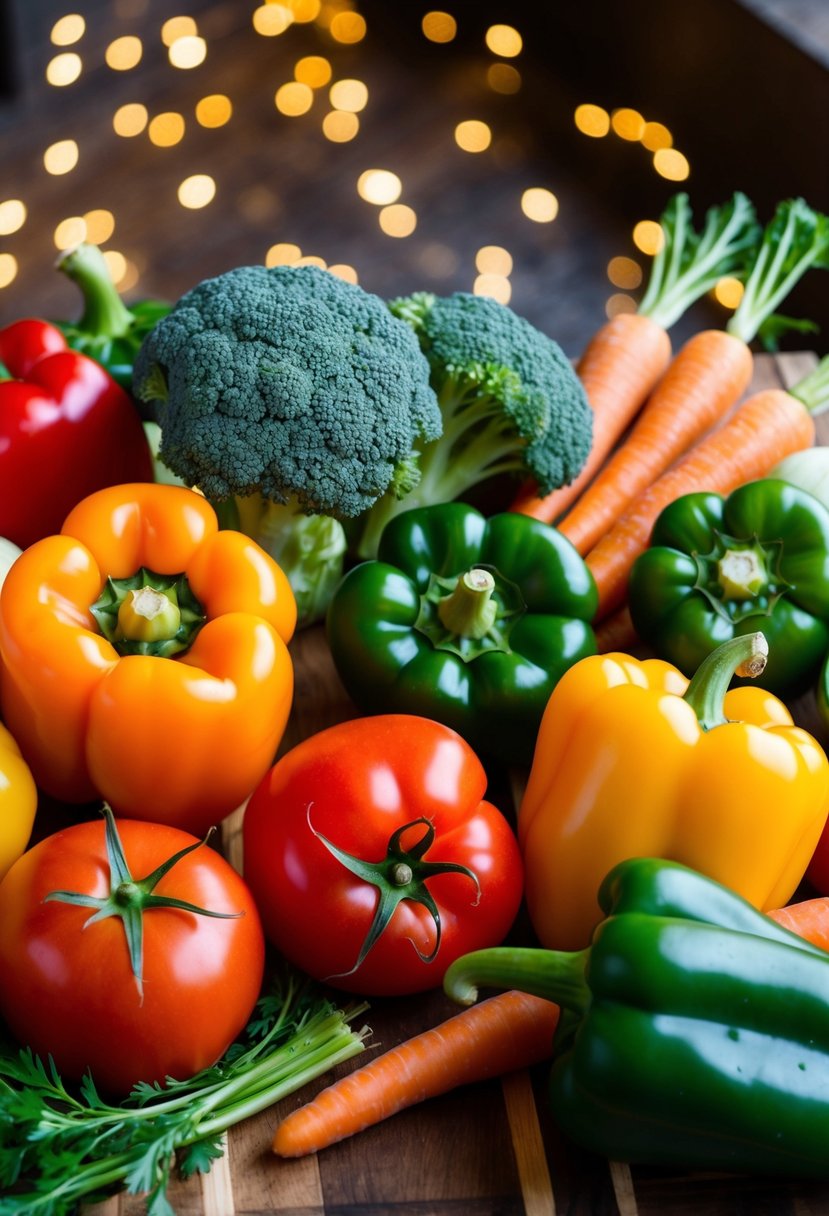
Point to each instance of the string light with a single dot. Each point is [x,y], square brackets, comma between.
[349,95]
[494,260]
[313,70]
[12,216]
[592,120]
[70,232]
[130,119]
[100,225]
[124,53]
[339,126]
[64,69]
[503,40]
[187,52]
[178,27]
[539,205]
[398,220]
[68,29]
[214,110]
[348,27]
[379,186]
[473,135]
[671,164]
[270,20]
[294,98]
[648,236]
[197,191]
[439,27]
[628,124]
[166,130]
[61,157]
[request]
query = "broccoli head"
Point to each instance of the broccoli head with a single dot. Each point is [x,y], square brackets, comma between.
[291,384]
[510,403]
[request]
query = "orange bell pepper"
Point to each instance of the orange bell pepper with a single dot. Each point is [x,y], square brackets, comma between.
[633,761]
[145,657]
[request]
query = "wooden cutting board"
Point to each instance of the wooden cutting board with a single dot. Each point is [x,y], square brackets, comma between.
[490,1149]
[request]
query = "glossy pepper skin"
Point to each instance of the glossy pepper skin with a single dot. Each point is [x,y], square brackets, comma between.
[719,567]
[18,801]
[466,620]
[171,707]
[66,429]
[694,1030]
[632,760]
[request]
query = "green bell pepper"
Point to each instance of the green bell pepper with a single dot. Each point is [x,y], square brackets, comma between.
[719,567]
[108,331]
[467,620]
[694,1030]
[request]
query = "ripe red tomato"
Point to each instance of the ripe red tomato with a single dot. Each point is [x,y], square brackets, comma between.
[367,835]
[67,987]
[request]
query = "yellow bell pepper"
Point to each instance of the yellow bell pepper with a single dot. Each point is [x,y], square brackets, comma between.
[145,657]
[633,761]
[18,801]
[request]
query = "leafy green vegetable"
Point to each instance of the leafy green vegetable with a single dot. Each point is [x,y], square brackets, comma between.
[59,1147]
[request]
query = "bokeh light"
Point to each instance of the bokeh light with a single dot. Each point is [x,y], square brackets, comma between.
[68,30]
[8,269]
[124,53]
[100,225]
[12,216]
[729,292]
[166,130]
[64,69]
[214,110]
[671,164]
[61,157]
[283,254]
[197,191]
[340,126]
[379,186]
[348,95]
[270,20]
[348,27]
[619,303]
[188,52]
[592,120]
[539,205]
[398,220]
[439,27]
[628,124]
[473,135]
[178,27]
[294,98]
[648,236]
[503,78]
[495,286]
[624,272]
[130,119]
[504,40]
[313,70]
[70,232]
[494,260]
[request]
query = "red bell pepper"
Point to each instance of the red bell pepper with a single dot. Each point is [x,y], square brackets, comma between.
[66,430]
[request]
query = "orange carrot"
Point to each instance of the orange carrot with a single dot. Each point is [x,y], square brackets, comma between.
[706,378]
[509,1031]
[765,428]
[809,920]
[617,633]
[627,357]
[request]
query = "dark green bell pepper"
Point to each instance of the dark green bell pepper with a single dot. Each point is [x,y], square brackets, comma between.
[694,1030]
[467,620]
[719,567]
[108,331]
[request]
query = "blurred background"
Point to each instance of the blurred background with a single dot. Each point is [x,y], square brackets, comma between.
[516,149]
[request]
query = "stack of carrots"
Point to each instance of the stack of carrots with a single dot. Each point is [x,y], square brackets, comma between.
[686,434]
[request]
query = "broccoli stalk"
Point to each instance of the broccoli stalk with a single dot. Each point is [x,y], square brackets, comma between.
[293,400]
[509,399]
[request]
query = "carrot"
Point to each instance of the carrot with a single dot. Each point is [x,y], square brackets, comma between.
[616,633]
[628,355]
[809,920]
[509,1031]
[706,378]
[767,426]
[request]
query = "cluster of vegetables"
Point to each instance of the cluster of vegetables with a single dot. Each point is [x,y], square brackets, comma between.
[308,450]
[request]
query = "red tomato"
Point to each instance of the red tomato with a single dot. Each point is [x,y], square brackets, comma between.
[67,987]
[317,834]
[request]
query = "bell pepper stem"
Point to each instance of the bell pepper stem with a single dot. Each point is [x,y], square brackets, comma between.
[469,611]
[745,655]
[105,313]
[552,974]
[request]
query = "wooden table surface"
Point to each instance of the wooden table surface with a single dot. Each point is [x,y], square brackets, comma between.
[490,1149]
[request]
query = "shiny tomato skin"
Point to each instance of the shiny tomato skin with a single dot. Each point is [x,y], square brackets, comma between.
[67,989]
[356,783]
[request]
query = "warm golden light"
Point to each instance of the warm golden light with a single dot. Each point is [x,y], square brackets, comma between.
[592,120]
[283,254]
[340,126]
[294,98]
[12,216]
[503,78]
[304,11]
[8,269]
[671,164]
[379,186]
[398,220]
[64,69]
[61,157]
[214,110]
[494,260]
[348,27]
[473,135]
[628,124]
[188,52]
[539,205]
[68,29]
[130,119]
[197,191]
[166,129]
[342,271]
[625,273]
[100,225]
[439,27]
[70,232]
[272,19]
[313,70]
[124,53]
[495,286]
[729,292]
[619,303]
[348,95]
[505,41]
[311,259]
[648,236]
[178,27]
[655,136]
[117,265]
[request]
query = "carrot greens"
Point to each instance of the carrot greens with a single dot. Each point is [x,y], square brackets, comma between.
[60,1147]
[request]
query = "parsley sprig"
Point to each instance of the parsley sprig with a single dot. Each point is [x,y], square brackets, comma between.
[61,1146]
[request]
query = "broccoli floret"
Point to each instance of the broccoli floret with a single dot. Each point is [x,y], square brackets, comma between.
[509,399]
[291,383]
[292,399]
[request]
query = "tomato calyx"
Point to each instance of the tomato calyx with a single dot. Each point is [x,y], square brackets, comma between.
[149,613]
[129,898]
[402,874]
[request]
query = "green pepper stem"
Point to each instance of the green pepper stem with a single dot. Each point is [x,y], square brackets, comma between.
[742,656]
[469,611]
[552,974]
[105,313]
